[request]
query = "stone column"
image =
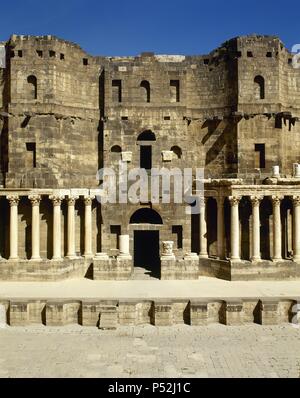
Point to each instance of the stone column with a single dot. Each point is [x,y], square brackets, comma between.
[255,200]
[276,200]
[235,228]
[203,229]
[56,200]
[296,220]
[124,246]
[220,227]
[13,230]
[35,227]
[167,249]
[88,226]
[71,226]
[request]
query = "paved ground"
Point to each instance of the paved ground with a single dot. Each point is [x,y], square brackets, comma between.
[148,351]
[151,288]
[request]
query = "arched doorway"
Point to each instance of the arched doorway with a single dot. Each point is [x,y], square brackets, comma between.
[146,256]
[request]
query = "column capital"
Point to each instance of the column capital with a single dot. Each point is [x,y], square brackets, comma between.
[13,200]
[256,199]
[35,199]
[276,199]
[296,200]
[88,200]
[234,200]
[72,199]
[56,199]
[220,199]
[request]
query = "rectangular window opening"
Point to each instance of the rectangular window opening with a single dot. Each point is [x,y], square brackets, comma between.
[260,156]
[30,154]
[20,53]
[249,54]
[174,90]
[62,56]
[177,231]
[39,53]
[269,54]
[146,157]
[51,54]
[85,61]
[117,90]
[115,231]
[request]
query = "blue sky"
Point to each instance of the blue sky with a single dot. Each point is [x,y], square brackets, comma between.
[128,27]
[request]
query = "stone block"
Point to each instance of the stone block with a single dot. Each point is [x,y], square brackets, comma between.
[108,317]
[62,313]
[18,315]
[127,312]
[163,314]
[198,313]
[234,314]
[269,313]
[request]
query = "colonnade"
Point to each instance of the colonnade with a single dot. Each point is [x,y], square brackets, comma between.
[57,233]
[235,243]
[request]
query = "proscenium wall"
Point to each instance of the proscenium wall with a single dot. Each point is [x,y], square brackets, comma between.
[76,117]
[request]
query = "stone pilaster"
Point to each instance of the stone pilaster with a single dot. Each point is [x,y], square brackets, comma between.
[276,200]
[235,228]
[56,200]
[203,229]
[220,227]
[35,228]
[255,200]
[13,230]
[71,253]
[88,200]
[296,221]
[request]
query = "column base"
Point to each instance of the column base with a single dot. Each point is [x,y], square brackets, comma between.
[12,259]
[124,256]
[203,255]
[72,256]
[56,259]
[276,259]
[88,255]
[35,259]
[255,259]
[235,259]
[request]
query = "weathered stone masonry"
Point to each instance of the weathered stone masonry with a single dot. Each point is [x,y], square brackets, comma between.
[65,114]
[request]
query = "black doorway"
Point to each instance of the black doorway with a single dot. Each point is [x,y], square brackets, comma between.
[146,252]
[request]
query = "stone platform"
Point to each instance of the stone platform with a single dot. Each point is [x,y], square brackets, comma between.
[109,304]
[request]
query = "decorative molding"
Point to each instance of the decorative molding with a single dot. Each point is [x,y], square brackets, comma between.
[234,200]
[35,199]
[255,200]
[56,199]
[13,200]
[71,200]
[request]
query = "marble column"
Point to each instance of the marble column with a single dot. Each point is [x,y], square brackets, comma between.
[88,200]
[296,221]
[35,227]
[220,228]
[13,230]
[276,200]
[71,226]
[203,229]
[56,200]
[255,200]
[235,228]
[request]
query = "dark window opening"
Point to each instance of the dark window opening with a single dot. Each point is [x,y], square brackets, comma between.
[278,122]
[51,54]
[177,151]
[260,87]
[145,215]
[269,54]
[147,135]
[85,61]
[260,156]
[116,149]
[124,117]
[290,61]
[32,81]
[177,230]
[39,53]
[62,56]
[249,54]
[115,231]
[12,54]
[117,90]
[146,157]
[20,53]
[239,54]
[167,118]
[145,85]
[206,61]
[30,154]
[175,90]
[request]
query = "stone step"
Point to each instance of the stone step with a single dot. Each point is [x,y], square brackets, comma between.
[109,314]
